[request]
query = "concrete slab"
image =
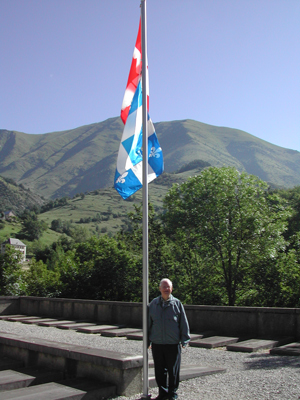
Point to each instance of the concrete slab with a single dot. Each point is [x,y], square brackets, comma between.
[135,335]
[291,349]
[189,372]
[98,328]
[202,335]
[75,325]
[21,319]
[42,375]
[38,320]
[5,317]
[10,380]
[119,332]
[252,345]
[48,391]
[213,341]
[95,389]
[55,323]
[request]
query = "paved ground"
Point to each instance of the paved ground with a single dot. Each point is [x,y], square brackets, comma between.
[254,376]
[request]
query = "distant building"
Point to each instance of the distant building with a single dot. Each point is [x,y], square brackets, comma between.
[7,215]
[17,244]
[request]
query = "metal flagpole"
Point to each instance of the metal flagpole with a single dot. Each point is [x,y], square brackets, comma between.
[145,203]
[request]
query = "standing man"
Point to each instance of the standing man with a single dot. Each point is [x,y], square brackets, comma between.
[168,330]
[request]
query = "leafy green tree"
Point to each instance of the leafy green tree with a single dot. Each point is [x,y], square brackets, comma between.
[161,256]
[229,218]
[40,281]
[32,228]
[107,270]
[11,274]
[293,198]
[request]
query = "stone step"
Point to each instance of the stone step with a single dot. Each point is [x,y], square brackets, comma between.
[252,345]
[47,391]
[55,323]
[119,332]
[195,336]
[22,318]
[75,325]
[10,380]
[42,375]
[6,317]
[135,335]
[189,372]
[94,389]
[213,341]
[36,321]
[98,328]
[290,349]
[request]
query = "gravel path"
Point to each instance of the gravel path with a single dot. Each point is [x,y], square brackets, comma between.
[251,376]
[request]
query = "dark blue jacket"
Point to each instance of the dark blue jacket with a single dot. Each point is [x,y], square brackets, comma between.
[167,322]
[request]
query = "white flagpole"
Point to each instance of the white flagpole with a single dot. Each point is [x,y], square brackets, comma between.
[145,203]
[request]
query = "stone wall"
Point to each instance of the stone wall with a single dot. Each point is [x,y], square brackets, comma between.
[230,321]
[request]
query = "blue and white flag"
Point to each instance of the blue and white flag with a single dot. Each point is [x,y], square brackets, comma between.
[129,171]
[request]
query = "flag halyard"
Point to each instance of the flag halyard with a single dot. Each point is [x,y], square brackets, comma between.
[129,171]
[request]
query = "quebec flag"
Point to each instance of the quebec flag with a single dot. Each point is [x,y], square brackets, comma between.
[129,171]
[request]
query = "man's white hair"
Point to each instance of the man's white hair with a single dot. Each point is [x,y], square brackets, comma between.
[166,280]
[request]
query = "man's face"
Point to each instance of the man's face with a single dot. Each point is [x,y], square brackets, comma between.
[165,289]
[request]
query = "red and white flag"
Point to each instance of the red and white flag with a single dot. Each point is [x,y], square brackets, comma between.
[135,75]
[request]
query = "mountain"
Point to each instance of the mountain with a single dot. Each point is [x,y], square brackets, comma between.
[16,198]
[83,159]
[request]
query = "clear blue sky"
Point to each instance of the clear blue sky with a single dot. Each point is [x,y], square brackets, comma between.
[234,63]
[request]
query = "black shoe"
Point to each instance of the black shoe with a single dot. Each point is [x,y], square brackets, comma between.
[162,397]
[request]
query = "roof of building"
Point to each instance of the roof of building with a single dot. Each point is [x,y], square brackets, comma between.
[14,242]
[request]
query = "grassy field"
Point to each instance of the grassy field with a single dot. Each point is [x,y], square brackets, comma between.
[108,204]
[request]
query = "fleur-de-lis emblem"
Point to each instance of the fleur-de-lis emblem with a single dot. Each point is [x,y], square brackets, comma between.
[155,152]
[122,177]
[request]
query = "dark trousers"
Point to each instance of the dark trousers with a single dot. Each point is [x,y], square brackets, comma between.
[167,358]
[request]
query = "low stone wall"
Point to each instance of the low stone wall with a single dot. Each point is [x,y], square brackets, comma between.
[9,305]
[232,321]
[122,370]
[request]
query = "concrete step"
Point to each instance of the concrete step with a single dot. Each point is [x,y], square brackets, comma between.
[55,323]
[42,375]
[36,321]
[189,372]
[201,335]
[291,349]
[10,380]
[6,317]
[47,391]
[75,325]
[98,328]
[119,332]
[95,390]
[252,345]
[22,318]
[135,335]
[213,341]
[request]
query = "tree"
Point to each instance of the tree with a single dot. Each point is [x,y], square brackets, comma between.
[161,259]
[40,281]
[11,282]
[106,270]
[32,227]
[228,218]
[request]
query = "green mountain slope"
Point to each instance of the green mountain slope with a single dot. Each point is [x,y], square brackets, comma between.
[16,198]
[79,160]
